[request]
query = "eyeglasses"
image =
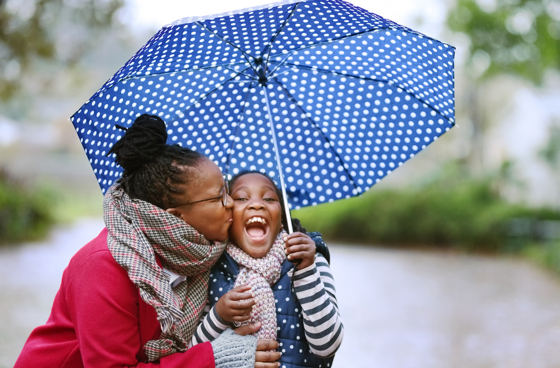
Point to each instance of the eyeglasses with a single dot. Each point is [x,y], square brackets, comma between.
[223,196]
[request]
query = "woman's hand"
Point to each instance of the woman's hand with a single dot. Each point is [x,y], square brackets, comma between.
[236,304]
[266,356]
[300,246]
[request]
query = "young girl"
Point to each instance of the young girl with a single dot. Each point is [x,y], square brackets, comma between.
[253,280]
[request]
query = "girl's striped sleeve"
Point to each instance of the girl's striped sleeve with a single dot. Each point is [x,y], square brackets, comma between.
[211,326]
[314,288]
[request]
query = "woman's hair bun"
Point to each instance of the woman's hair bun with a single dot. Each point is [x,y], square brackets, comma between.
[142,142]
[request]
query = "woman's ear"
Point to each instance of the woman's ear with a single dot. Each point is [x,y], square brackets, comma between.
[175,212]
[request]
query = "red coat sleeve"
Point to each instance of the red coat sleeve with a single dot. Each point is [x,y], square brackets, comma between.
[104,306]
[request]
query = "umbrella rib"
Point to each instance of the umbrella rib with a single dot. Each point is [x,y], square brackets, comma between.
[176,71]
[375,80]
[231,44]
[248,76]
[320,132]
[206,95]
[230,153]
[330,40]
[105,88]
[279,65]
[242,81]
[269,46]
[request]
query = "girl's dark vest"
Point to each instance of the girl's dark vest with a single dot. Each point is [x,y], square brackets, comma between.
[291,333]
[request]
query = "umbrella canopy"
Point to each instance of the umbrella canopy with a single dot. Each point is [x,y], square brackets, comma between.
[326,93]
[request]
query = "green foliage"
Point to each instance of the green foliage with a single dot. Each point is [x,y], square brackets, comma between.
[550,153]
[24,215]
[76,203]
[545,254]
[513,36]
[452,210]
[33,30]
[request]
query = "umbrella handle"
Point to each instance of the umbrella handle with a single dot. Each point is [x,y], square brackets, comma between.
[282,185]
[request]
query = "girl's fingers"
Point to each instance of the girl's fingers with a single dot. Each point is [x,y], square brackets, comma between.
[300,248]
[240,305]
[241,288]
[291,236]
[295,233]
[240,296]
[298,255]
[241,311]
[249,329]
[242,318]
[298,240]
[293,248]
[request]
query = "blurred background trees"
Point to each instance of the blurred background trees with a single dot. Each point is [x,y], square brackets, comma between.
[53,53]
[518,38]
[57,33]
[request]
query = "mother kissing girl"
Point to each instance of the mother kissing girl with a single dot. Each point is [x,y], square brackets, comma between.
[133,296]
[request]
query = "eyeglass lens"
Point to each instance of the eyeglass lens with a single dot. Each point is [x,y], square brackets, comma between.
[225,192]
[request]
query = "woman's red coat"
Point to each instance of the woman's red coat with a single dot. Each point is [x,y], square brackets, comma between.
[98,319]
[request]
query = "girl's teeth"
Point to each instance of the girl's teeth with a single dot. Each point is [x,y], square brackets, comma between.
[256,219]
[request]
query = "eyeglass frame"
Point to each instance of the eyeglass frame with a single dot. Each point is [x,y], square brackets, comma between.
[224,194]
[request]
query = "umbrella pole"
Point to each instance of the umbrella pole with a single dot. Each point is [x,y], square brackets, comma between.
[283,186]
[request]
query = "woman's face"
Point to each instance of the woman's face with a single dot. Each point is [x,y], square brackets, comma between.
[209,218]
[256,215]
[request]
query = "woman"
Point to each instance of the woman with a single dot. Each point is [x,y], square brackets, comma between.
[133,295]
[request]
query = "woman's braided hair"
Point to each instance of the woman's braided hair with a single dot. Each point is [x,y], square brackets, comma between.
[296,224]
[154,171]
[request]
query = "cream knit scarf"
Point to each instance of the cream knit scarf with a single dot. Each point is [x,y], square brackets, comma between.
[260,274]
[138,231]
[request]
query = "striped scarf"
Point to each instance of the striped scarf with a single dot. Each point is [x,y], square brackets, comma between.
[260,274]
[138,231]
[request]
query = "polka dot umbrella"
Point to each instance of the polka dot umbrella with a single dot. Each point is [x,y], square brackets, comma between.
[325,97]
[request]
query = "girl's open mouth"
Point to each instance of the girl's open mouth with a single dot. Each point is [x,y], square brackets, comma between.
[256,228]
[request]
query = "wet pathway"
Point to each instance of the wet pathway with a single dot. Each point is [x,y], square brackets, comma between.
[407,309]
[401,309]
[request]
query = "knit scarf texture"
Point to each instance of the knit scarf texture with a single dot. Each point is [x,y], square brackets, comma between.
[138,231]
[260,274]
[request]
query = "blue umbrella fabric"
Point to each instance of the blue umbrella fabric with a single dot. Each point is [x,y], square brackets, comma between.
[345,95]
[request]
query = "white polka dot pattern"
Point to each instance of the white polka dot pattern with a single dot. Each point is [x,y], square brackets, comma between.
[353,96]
